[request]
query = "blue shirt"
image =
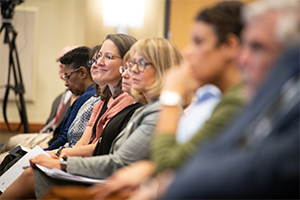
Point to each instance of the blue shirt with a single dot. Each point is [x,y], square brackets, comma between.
[78,126]
[207,98]
[72,112]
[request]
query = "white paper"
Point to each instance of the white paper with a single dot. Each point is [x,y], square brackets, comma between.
[17,169]
[59,174]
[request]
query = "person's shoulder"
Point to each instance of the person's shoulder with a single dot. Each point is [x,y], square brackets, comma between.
[85,96]
[89,92]
[235,94]
[58,98]
[153,106]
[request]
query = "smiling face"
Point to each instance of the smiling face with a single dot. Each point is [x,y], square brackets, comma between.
[205,58]
[106,69]
[141,81]
[259,51]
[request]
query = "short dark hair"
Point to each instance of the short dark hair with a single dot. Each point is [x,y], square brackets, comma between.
[77,57]
[123,42]
[224,17]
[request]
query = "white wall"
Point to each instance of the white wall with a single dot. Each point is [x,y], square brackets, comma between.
[69,22]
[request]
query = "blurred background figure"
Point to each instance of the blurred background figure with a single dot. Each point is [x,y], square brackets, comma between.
[271,28]
[60,65]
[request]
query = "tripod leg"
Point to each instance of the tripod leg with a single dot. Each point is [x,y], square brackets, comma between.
[4,107]
[23,114]
[20,86]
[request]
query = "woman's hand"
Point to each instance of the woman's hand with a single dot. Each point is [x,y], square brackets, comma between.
[154,188]
[64,153]
[181,80]
[44,145]
[52,153]
[124,181]
[45,161]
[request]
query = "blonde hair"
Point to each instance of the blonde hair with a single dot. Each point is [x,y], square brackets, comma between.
[162,54]
[138,95]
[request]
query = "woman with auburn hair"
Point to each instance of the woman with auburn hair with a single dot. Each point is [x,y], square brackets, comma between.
[150,58]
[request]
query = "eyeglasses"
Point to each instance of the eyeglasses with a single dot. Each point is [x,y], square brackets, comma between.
[67,76]
[123,69]
[141,66]
[106,57]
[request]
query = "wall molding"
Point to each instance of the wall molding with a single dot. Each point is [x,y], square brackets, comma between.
[34,128]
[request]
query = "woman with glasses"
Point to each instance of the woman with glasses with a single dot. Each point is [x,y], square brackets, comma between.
[150,59]
[120,120]
[104,69]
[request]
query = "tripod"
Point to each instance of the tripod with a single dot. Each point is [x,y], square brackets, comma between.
[19,87]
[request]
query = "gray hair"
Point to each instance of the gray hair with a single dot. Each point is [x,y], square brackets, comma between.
[287,25]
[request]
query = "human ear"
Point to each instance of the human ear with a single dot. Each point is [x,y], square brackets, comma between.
[231,46]
[83,72]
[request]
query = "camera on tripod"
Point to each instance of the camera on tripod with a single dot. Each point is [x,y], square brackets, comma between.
[7,11]
[7,7]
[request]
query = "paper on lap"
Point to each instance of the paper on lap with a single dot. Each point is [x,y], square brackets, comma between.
[59,174]
[17,169]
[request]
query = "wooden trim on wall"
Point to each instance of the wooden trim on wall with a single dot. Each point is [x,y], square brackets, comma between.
[167,19]
[34,128]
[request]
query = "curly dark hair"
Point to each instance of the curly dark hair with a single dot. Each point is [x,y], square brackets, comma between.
[123,43]
[225,19]
[77,57]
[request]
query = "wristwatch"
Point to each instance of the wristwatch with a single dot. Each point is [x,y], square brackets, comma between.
[168,98]
[63,163]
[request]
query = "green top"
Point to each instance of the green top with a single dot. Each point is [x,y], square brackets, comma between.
[168,154]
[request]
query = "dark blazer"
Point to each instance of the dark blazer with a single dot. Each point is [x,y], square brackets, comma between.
[54,108]
[258,155]
[60,119]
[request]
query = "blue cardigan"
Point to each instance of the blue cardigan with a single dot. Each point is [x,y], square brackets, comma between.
[72,112]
